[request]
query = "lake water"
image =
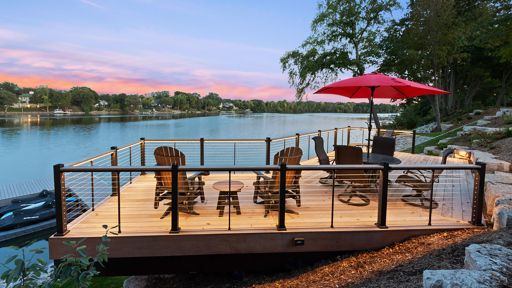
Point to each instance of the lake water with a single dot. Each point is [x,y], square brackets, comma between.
[30,146]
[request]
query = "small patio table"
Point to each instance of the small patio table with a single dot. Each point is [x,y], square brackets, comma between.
[226,194]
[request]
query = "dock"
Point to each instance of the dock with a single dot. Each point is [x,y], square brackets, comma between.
[206,242]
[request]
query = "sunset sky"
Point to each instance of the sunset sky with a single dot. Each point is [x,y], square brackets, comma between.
[140,46]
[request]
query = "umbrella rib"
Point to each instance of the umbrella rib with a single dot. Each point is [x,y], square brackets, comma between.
[353,94]
[400,92]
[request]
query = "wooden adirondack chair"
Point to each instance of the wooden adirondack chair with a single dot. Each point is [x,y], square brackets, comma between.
[188,187]
[267,188]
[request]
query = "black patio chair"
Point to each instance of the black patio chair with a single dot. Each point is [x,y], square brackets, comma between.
[421,182]
[323,159]
[356,180]
[383,145]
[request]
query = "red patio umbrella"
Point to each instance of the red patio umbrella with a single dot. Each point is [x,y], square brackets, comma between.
[377,85]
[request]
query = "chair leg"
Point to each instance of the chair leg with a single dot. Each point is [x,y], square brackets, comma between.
[350,195]
[412,200]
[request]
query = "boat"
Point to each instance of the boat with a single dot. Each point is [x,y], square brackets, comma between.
[38,209]
[59,111]
[19,203]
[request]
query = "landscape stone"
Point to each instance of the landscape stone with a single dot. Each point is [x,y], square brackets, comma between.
[471,129]
[482,122]
[489,258]
[502,216]
[499,114]
[481,111]
[493,164]
[471,114]
[489,117]
[461,278]
[495,191]
[433,149]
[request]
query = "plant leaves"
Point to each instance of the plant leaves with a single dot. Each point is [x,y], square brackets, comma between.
[14,247]
[41,261]
[104,226]
[10,259]
[82,252]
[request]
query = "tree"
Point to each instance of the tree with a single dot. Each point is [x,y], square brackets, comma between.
[84,96]
[60,98]
[11,87]
[7,99]
[131,103]
[345,36]
[43,93]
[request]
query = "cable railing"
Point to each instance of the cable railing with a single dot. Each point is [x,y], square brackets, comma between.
[249,201]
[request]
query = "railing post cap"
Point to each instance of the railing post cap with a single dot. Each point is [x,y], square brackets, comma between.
[58,165]
[142,138]
[297,134]
[481,163]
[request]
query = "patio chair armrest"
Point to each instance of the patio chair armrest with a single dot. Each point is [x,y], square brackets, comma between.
[261,175]
[418,174]
[201,173]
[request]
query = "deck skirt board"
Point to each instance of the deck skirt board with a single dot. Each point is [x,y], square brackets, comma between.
[144,234]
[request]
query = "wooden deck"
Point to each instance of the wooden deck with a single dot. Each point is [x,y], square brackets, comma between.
[144,234]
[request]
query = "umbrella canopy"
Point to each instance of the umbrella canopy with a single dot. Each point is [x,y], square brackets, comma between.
[377,85]
[385,87]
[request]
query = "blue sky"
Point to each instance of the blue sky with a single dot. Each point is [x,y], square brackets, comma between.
[136,46]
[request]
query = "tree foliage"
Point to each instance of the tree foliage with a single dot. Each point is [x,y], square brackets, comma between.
[345,35]
[7,98]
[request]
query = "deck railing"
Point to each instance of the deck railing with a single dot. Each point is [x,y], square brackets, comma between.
[90,183]
[235,152]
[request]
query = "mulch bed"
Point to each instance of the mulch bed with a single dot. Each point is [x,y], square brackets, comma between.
[399,265]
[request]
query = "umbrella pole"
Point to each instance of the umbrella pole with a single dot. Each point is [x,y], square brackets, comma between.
[370,124]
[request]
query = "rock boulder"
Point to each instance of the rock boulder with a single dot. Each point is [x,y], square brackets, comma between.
[489,258]
[461,278]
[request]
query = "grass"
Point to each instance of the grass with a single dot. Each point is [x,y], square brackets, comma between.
[10,109]
[101,282]
[433,142]
[434,134]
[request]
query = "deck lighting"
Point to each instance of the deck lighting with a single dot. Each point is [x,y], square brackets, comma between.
[298,241]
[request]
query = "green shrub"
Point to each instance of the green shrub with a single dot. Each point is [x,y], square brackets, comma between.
[429,152]
[469,117]
[441,145]
[76,267]
[478,113]
[507,119]
[459,118]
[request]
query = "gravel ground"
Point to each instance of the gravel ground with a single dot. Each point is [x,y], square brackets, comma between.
[399,265]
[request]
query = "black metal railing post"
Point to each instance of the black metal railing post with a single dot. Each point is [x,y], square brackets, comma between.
[297,138]
[267,151]
[378,131]
[118,193]
[413,141]
[143,154]
[92,186]
[319,133]
[335,136]
[348,135]
[282,197]
[432,181]
[383,196]
[478,195]
[60,200]
[175,221]
[201,151]
[130,164]
[113,162]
